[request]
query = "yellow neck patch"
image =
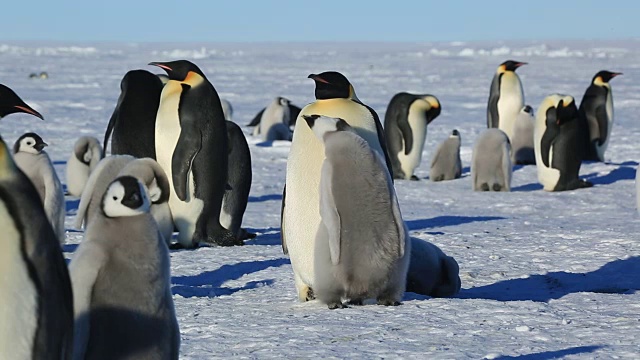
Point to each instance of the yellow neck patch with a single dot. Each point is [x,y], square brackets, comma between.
[7,166]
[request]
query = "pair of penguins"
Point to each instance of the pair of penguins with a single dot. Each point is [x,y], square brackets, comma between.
[276,120]
[341,223]
[563,134]
[101,306]
[182,125]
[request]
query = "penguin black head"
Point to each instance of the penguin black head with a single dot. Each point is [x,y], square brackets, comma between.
[178,69]
[511,65]
[283,101]
[332,85]
[11,103]
[455,132]
[604,76]
[434,107]
[125,196]
[566,111]
[30,143]
[528,109]
[139,79]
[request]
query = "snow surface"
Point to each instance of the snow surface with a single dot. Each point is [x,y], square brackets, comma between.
[544,275]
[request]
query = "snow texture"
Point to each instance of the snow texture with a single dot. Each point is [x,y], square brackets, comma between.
[544,275]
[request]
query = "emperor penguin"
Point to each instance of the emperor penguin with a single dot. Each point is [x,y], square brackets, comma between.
[227,109]
[596,116]
[335,97]
[362,247]
[11,103]
[29,155]
[522,152]
[446,163]
[274,123]
[405,126]
[36,308]
[431,271]
[191,147]
[239,176]
[506,98]
[557,142]
[86,155]
[491,162]
[134,118]
[147,171]
[122,283]
[294,111]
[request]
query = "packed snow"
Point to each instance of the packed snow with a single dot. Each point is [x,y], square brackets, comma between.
[544,275]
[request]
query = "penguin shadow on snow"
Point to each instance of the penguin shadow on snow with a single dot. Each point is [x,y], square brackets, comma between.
[265,236]
[209,283]
[624,171]
[557,354]
[268,197]
[441,221]
[616,277]
[527,187]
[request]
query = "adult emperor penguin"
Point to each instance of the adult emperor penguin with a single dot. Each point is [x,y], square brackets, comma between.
[294,111]
[362,248]
[34,162]
[522,152]
[11,103]
[491,162]
[134,118]
[506,98]
[274,123]
[86,155]
[335,97]
[191,147]
[36,309]
[405,126]
[122,282]
[446,163]
[596,116]
[431,271]
[557,140]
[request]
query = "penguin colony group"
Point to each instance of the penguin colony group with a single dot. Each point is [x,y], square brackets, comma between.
[178,163]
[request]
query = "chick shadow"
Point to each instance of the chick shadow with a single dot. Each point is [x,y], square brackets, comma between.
[616,277]
[623,172]
[263,198]
[71,205]
[442,221]
[209,283]
[558,354]
[527,187]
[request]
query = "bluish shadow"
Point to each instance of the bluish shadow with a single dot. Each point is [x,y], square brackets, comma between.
[558,354]
[265,198]
[616,277]
[71,205]
[69,248]
[466,170]
[265,236]
[60,162]
[528,187]
[440,221]
[209,283]
[617,174]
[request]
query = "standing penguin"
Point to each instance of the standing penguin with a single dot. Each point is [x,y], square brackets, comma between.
[191,147]
[86,155]
[122,282]
[446,163]
[36,309]
[31,158]
[506,98]
[362,246]
[596,116]
[335,97]
[294,111]
[405,126]
[239,175]
[491,162]
[11,103]
[134,118]
[274,123]
[557,140]
[522,152]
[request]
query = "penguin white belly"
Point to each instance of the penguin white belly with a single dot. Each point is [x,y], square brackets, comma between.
[167,132]
[547,176]
[418,124]
[225,218]
[18,296]
[600,149]
[77,176]
[302,203]
[510,102]
[273,115]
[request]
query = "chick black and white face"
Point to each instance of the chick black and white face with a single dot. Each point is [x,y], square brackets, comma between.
[30,143]
[125,197]
[528,109]
[284,101]
[455,134]
[320,125]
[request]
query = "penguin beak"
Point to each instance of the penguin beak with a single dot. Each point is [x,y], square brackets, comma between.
[161,65]
[41,146]
[520,64]
[28,110]
[317,78]
[615,74]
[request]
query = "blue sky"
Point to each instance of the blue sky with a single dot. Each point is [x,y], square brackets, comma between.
[328,20]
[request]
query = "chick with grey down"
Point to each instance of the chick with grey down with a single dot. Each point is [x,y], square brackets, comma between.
[491,162]
[446,163]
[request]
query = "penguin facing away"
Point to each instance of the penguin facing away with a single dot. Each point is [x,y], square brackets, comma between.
[300,217]
[491,162]
[362,247]
[596,116]
[431,272]
[522,149]
[506,98]
[557,140]
[274,123]
[11,103]
[134,118]
[405,125]
[446,163]
[294,111]
[34,162]
[121,282]
[36,309]
[86,155]
[191,147]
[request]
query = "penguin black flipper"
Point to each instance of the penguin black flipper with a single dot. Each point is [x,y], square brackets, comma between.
[256,119]
[284,243]
[603,123]
[493,120]
[551,132]
[188,146]
[112,123]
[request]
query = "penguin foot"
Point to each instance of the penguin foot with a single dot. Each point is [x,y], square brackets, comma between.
[336,305]
[388,302]
[585,184]
[178,246]
[223,238]
[484,187]
[496,187]
[310,295]
[414,178]
[355,302]
[245,235]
